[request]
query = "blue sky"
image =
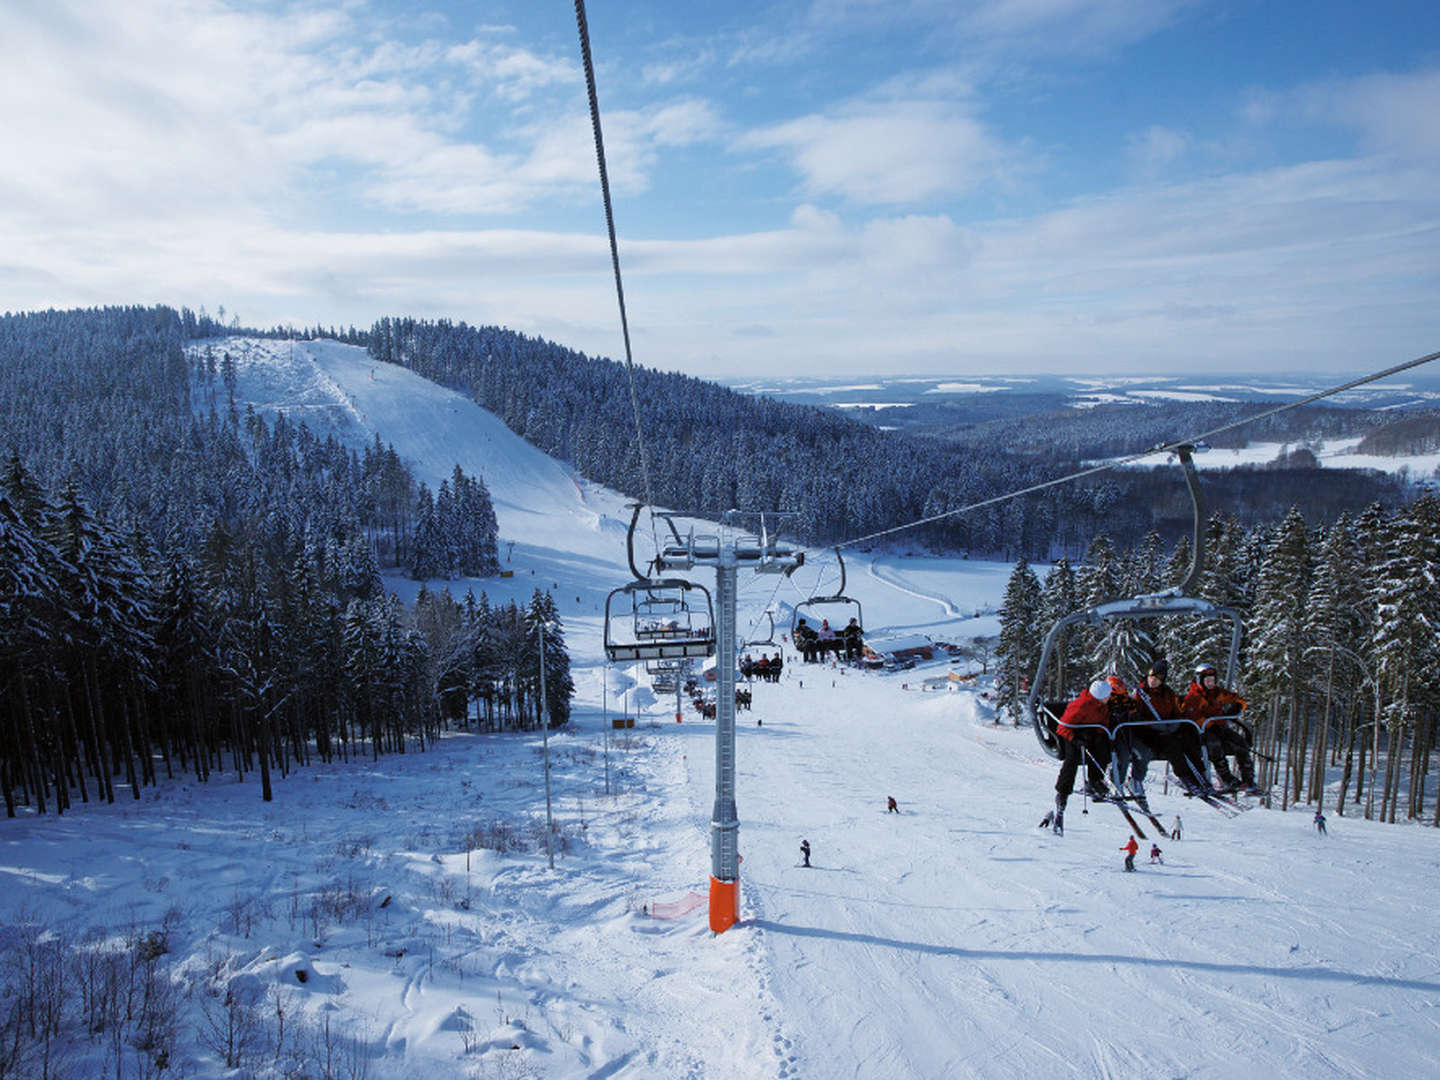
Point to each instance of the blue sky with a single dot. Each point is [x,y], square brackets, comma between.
[838,186]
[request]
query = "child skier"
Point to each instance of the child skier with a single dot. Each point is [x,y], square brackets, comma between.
[1155,855]
[1130,849]
[1319,822]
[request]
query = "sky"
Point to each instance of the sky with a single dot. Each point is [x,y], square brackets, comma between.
[821,187]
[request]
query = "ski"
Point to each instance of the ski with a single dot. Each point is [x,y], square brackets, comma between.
[1123,801]
[1119,804]
[1228,807]
[1134,825]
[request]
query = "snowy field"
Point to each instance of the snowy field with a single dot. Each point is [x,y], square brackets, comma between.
[1331,454]
[366,913]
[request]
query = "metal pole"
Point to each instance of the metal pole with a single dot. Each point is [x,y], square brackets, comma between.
[605,720]
[724,818]
[545,740]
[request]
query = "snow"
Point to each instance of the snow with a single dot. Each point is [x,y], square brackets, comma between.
[953,939]
[965,388]
[1330,453]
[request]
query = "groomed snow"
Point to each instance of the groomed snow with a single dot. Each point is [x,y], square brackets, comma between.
[953,939]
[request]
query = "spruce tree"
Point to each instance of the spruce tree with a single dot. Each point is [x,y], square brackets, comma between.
[1021,636]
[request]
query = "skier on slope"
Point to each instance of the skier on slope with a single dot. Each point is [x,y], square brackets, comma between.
[1085,729]
[805,852]
[1155,854]
[1130,848]
[1212,706]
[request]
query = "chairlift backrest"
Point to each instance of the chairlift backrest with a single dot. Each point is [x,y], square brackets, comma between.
[817,609]
[659,618]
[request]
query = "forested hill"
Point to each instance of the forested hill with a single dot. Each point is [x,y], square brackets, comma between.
[710,449]
[200,589]
[104,397]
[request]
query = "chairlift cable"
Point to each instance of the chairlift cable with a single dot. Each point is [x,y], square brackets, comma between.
[1162,448]
[583,27]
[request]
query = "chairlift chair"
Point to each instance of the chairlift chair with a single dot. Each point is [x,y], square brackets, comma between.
[1045,704]
[766,642]
[659,619]
[654,619]
[813,608]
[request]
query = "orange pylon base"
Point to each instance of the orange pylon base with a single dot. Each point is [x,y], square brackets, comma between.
[724,904]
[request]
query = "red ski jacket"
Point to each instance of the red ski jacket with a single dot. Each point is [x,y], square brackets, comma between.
[1085,709]
[1132,847]
[1167,705]
[1211,708]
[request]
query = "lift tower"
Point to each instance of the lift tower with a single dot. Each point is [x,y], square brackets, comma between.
[727,552]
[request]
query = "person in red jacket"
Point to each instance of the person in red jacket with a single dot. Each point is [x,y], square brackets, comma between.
[1084,730]
[1178,742]
[1130,849]
[1212,706]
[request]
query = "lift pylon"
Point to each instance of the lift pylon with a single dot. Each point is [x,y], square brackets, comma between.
[727,553]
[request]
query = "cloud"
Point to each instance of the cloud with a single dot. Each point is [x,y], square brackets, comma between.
[1156,150]
[169,106]
[1397,115]
[1053,27]
[887,152]
[1394,114]
[1015,28]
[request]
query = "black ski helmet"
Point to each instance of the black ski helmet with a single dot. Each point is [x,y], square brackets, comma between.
[1160,667]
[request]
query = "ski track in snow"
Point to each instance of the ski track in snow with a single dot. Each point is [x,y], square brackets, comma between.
[951,940]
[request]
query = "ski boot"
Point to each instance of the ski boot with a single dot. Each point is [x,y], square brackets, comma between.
[1057,822]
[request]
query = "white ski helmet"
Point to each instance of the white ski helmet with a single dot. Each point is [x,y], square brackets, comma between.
[1100,690]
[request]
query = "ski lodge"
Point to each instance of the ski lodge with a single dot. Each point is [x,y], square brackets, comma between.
[895,653]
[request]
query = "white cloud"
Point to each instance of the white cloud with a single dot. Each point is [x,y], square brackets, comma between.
[1019,28]
[1085,26]
[1156,150]
[1397,115]
[890,152]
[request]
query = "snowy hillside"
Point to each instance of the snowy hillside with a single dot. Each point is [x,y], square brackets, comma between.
[367,924]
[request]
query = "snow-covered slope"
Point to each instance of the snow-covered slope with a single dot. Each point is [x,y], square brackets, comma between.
[953,939]
[338,389]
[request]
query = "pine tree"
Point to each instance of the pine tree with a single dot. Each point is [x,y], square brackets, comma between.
[1018,651]
[559,686]
[1059,597]
[1407,607]
[1277,665]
